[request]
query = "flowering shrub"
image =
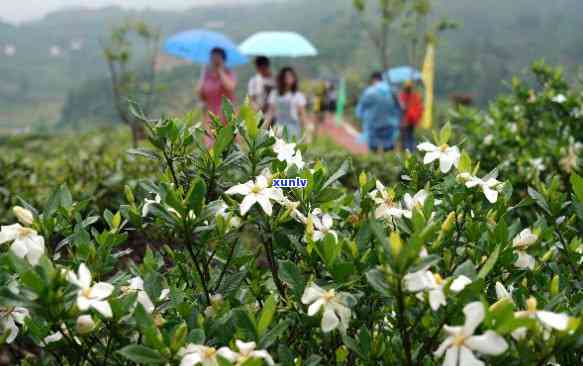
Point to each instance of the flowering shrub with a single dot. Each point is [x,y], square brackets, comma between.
[530,135]
[447,266]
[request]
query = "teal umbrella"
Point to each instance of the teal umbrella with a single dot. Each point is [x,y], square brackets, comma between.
[277,44]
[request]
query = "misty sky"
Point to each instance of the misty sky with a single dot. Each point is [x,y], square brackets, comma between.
[23,10]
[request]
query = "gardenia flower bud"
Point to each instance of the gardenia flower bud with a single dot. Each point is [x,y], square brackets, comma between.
[85,324]
[23,215]
[448,223]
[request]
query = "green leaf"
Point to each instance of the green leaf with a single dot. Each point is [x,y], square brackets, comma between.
[577,185]
[250,119]
[245,324]
[290,274]
[196,336]
[337,175]
[266,316]
[376,278]
[467,269]
[445,134]
[539,199]
[270,337]
[196,196]
[142,355]
[492,259]
[328,249]
[152,335]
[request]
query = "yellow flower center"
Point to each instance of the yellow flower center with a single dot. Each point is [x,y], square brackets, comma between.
[256,189]
[24,232]
[531,305]
[438,278]
[86,292]
[329,295]
[444,147]
[210,352]
[459,340]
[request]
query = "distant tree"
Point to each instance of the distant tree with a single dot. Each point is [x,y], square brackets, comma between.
[408,18]
[384,16]
[131,81]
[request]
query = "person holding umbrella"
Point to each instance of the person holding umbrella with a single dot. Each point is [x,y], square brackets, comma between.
[261,85]
[217,82]
[287,105]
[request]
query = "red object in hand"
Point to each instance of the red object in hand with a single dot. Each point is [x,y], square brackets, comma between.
[413,106]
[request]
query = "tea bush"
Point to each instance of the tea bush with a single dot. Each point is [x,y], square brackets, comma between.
[448,264]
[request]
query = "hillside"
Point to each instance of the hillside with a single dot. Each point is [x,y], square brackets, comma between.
[495,41]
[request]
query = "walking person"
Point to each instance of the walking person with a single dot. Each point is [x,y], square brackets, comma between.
[380,113]
[287,105]
[216,83]
[261,85]
[412,105]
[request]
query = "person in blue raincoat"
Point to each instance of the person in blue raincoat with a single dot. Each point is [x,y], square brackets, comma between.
[379,110]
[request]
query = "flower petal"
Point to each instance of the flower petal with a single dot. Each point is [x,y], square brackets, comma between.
[103,308]
[329,320]
[436,299]
[101,290]
[426,146]
[265,204]
[315,307]
[467,358]
[84,276]
[474,313]
[459,283]
[311,294]
[247,203]
[553,320]
[488,343]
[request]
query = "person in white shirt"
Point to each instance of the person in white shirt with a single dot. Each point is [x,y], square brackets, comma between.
[261,85]
[287,105]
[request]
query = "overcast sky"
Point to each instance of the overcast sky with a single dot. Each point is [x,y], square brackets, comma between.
[16,11]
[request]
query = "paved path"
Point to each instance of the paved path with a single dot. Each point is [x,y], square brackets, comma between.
[342,134]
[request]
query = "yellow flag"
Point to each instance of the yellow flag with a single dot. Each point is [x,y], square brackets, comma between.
[428,75]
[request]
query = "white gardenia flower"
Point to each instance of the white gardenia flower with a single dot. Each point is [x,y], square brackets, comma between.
[293,210]
[246,352]
[548,319]
[538,164]
[197,354]
[136,284]
[559,98]
[521,242]
[322,225]
[460,344]
[488,139]
[386,206]
[297,160]
[488,185]
[448,156]
[148,203]
[23,215]
[287,152]
[9,317]
[335,312]
[433,283]
[26,243]
[257,192]
[284,150]
[502,292]
[90,296]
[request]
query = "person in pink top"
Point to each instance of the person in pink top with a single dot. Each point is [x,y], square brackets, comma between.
[217,82]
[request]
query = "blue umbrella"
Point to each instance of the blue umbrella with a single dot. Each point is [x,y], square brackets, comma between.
[196,45]
[277,44]
[398,75]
